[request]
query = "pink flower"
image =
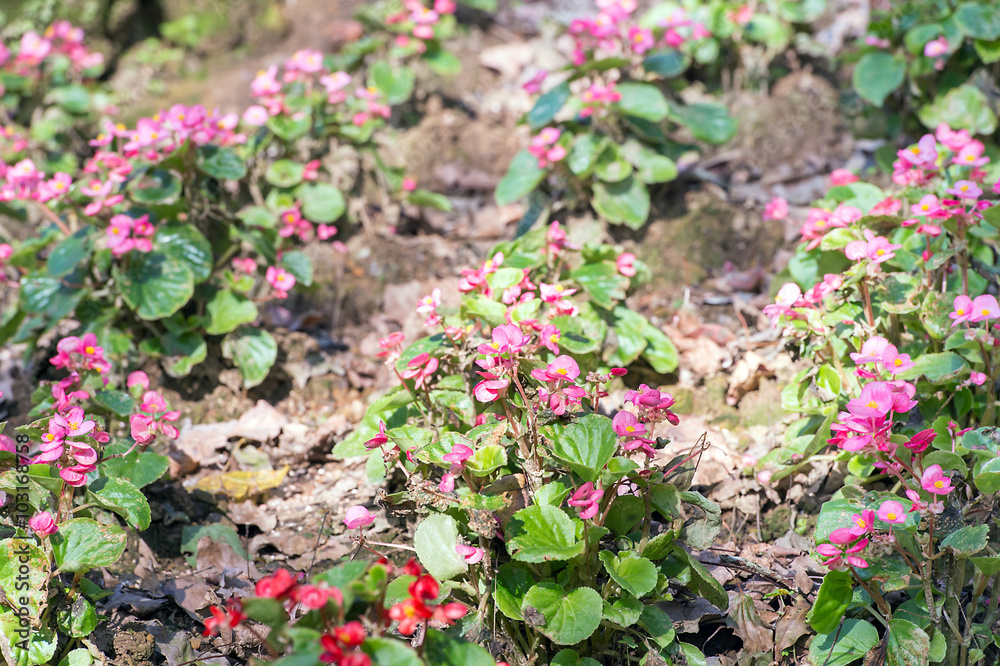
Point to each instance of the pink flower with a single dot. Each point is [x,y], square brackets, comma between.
[306,60]
[953,140]
[936,47]
[534,84]
[874,248]
[875,401]
[984,308]
[965,189]
[977,378]
[587,498]
[928,205]
[43,523]
[459,454]
[624,264]
[430,303]
[784,301]
[73,423]
[491,388]
[963,310]
[378,440]
[919,442]
[895,362]
[325,231]
[420,369]
[470,554]
[562,368]
[447,483]
[247,265]
[506,338]
[776,209]
[640,39]
[256,116]
[971,155]
[871,351]
[143,428]
[864,522]
[358,517]
[625,424]
[842,177]
[892,511]
[934,481]
[549,337]
[281,280]
[409,184]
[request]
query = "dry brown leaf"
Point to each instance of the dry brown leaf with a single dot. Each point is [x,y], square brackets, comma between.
[241,485]
[746,376]
[757,636]
[790,627]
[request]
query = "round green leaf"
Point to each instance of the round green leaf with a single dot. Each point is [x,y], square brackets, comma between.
[140,469]
[388,652]
[964,107]
[159,187]
[566,617]
[435,541]
[253,350]
[626,202]
[855,640]
[877,75]
[123,498]
[396,83]
[226,311]
[834,596]
[487,460]
[908,644]
[31,585]
[542,533]
[707,121]
[284,173]
[68,254]
[155,285]
[636,575]
[49,296]
[41,642]
[182,352]
[625,512]
[611,167]
[221,163]
[668,63]
[988,478]
[980,21]
[523,175]
[77,657]
[321,202]
[185,243]
[768,30]
[583,153]
[442,649]
[119,402]
[288,128]
[642,100]
[585,445]
[77,620]
[651,167]
[299,265]
[512,583]
[967,540]
[82,544]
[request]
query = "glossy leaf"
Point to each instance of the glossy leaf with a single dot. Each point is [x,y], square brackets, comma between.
[542,533]
[253,351]
[586,444]
[82,544]
[435,541]
[566,617]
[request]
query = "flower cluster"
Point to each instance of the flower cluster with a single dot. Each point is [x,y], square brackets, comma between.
[415,23]
[636,431]
[419,608]
[613,32]
[544,146]
[60,40]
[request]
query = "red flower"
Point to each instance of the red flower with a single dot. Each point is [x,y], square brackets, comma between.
[311,596]
[409,614]
[411,568]
[332,652]
[356,659]
[276,586]
[425,588]
[223,619]
[351,634]
[448,613]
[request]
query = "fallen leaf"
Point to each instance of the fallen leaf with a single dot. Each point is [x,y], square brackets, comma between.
[790,627]
[241,485]
[746,376]
[757,636]
[261,423]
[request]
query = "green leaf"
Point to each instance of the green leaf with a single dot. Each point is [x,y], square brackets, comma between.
[441,649]
[83,544]
[49,296]
[990,566]
[634,574]
[908,644]
[702,582]
[583,153]
[658,625]
[123,498]
[626,202]
[988,478]
[77,657]
[41,642]
[78,619]
[651,166]
[257,216]
[227,310]
[937,368]
[119,402]
[389,652]
[660,351]
[68,254]
[155,285]
[547,106]
[435,541]
[988,52]
[877,75]
[603,282]
[831,602]
[156,187]
[442,62]
[253,351]
[396,83]
[182,352]
[221,163]
[611,167]
[217,532]
[542,533]
[625,512]
[967,540]
[667,63]
[284,173]
[979,21]
[31,585]
[567,617]
[642,100]
[270,612]
[523,175]
[428,199]
[768,30]
[299,265]
[964,107]
[321,202]
[512,583]
[185,243]
[708,121]
[288,127]
[487,460]
[700,533]
[624,612]
[139,468]
[855,640]
[585,445]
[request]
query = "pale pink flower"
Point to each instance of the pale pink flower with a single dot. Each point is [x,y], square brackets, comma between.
[470,554]
[984,308]
[892,511]
[43,523]
[842,177]
[625,263]
[776,209]
[934,481]
[358,517]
